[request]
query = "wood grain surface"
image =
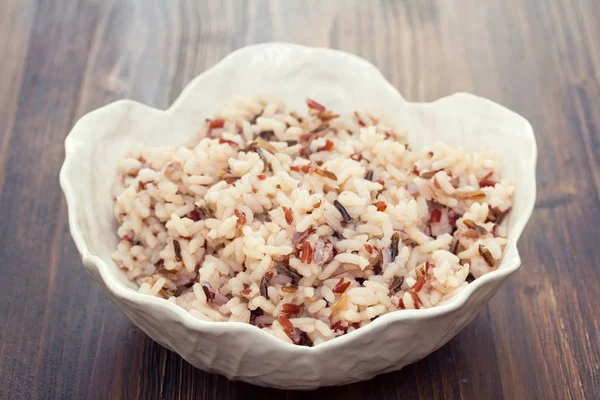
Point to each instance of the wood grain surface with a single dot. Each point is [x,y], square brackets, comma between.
[60,337]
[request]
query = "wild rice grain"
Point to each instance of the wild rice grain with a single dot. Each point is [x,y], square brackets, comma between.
[394,246]
[477,228]
[427,174]
[210,295]
[267,135]
[487,256]
[264,286]
[177,250]
[326,174]
[289,289]
[342,211]
[396,284]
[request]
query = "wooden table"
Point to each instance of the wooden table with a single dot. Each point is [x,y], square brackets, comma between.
[61,338]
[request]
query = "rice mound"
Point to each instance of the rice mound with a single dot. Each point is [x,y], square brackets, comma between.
[307,227]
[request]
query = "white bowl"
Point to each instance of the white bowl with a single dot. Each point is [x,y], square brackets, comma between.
[341,81]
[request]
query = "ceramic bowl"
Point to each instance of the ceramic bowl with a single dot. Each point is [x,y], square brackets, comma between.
[343,82]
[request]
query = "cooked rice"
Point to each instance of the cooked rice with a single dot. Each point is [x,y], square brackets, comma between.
[307,227]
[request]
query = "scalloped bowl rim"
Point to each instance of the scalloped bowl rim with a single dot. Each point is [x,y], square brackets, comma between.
[183,316]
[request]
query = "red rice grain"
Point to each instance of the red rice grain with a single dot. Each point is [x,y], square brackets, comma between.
[216,123]
[289,215]
[487,183]
[229,142]
[341,286]
[419,284]
[240,216]
[290,308]
[307,252]
[436,216]
[401,303]
[416,300]
[381,206]
[286,325]
[428,266]
[328,146]
[315,106]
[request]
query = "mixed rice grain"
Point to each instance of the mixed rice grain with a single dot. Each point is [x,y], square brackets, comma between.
[307,227]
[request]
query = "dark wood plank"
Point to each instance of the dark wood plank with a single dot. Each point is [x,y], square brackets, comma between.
[61,338]
[15,29]
[33,211]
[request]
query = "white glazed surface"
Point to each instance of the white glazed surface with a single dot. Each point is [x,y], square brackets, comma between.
[340,81]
